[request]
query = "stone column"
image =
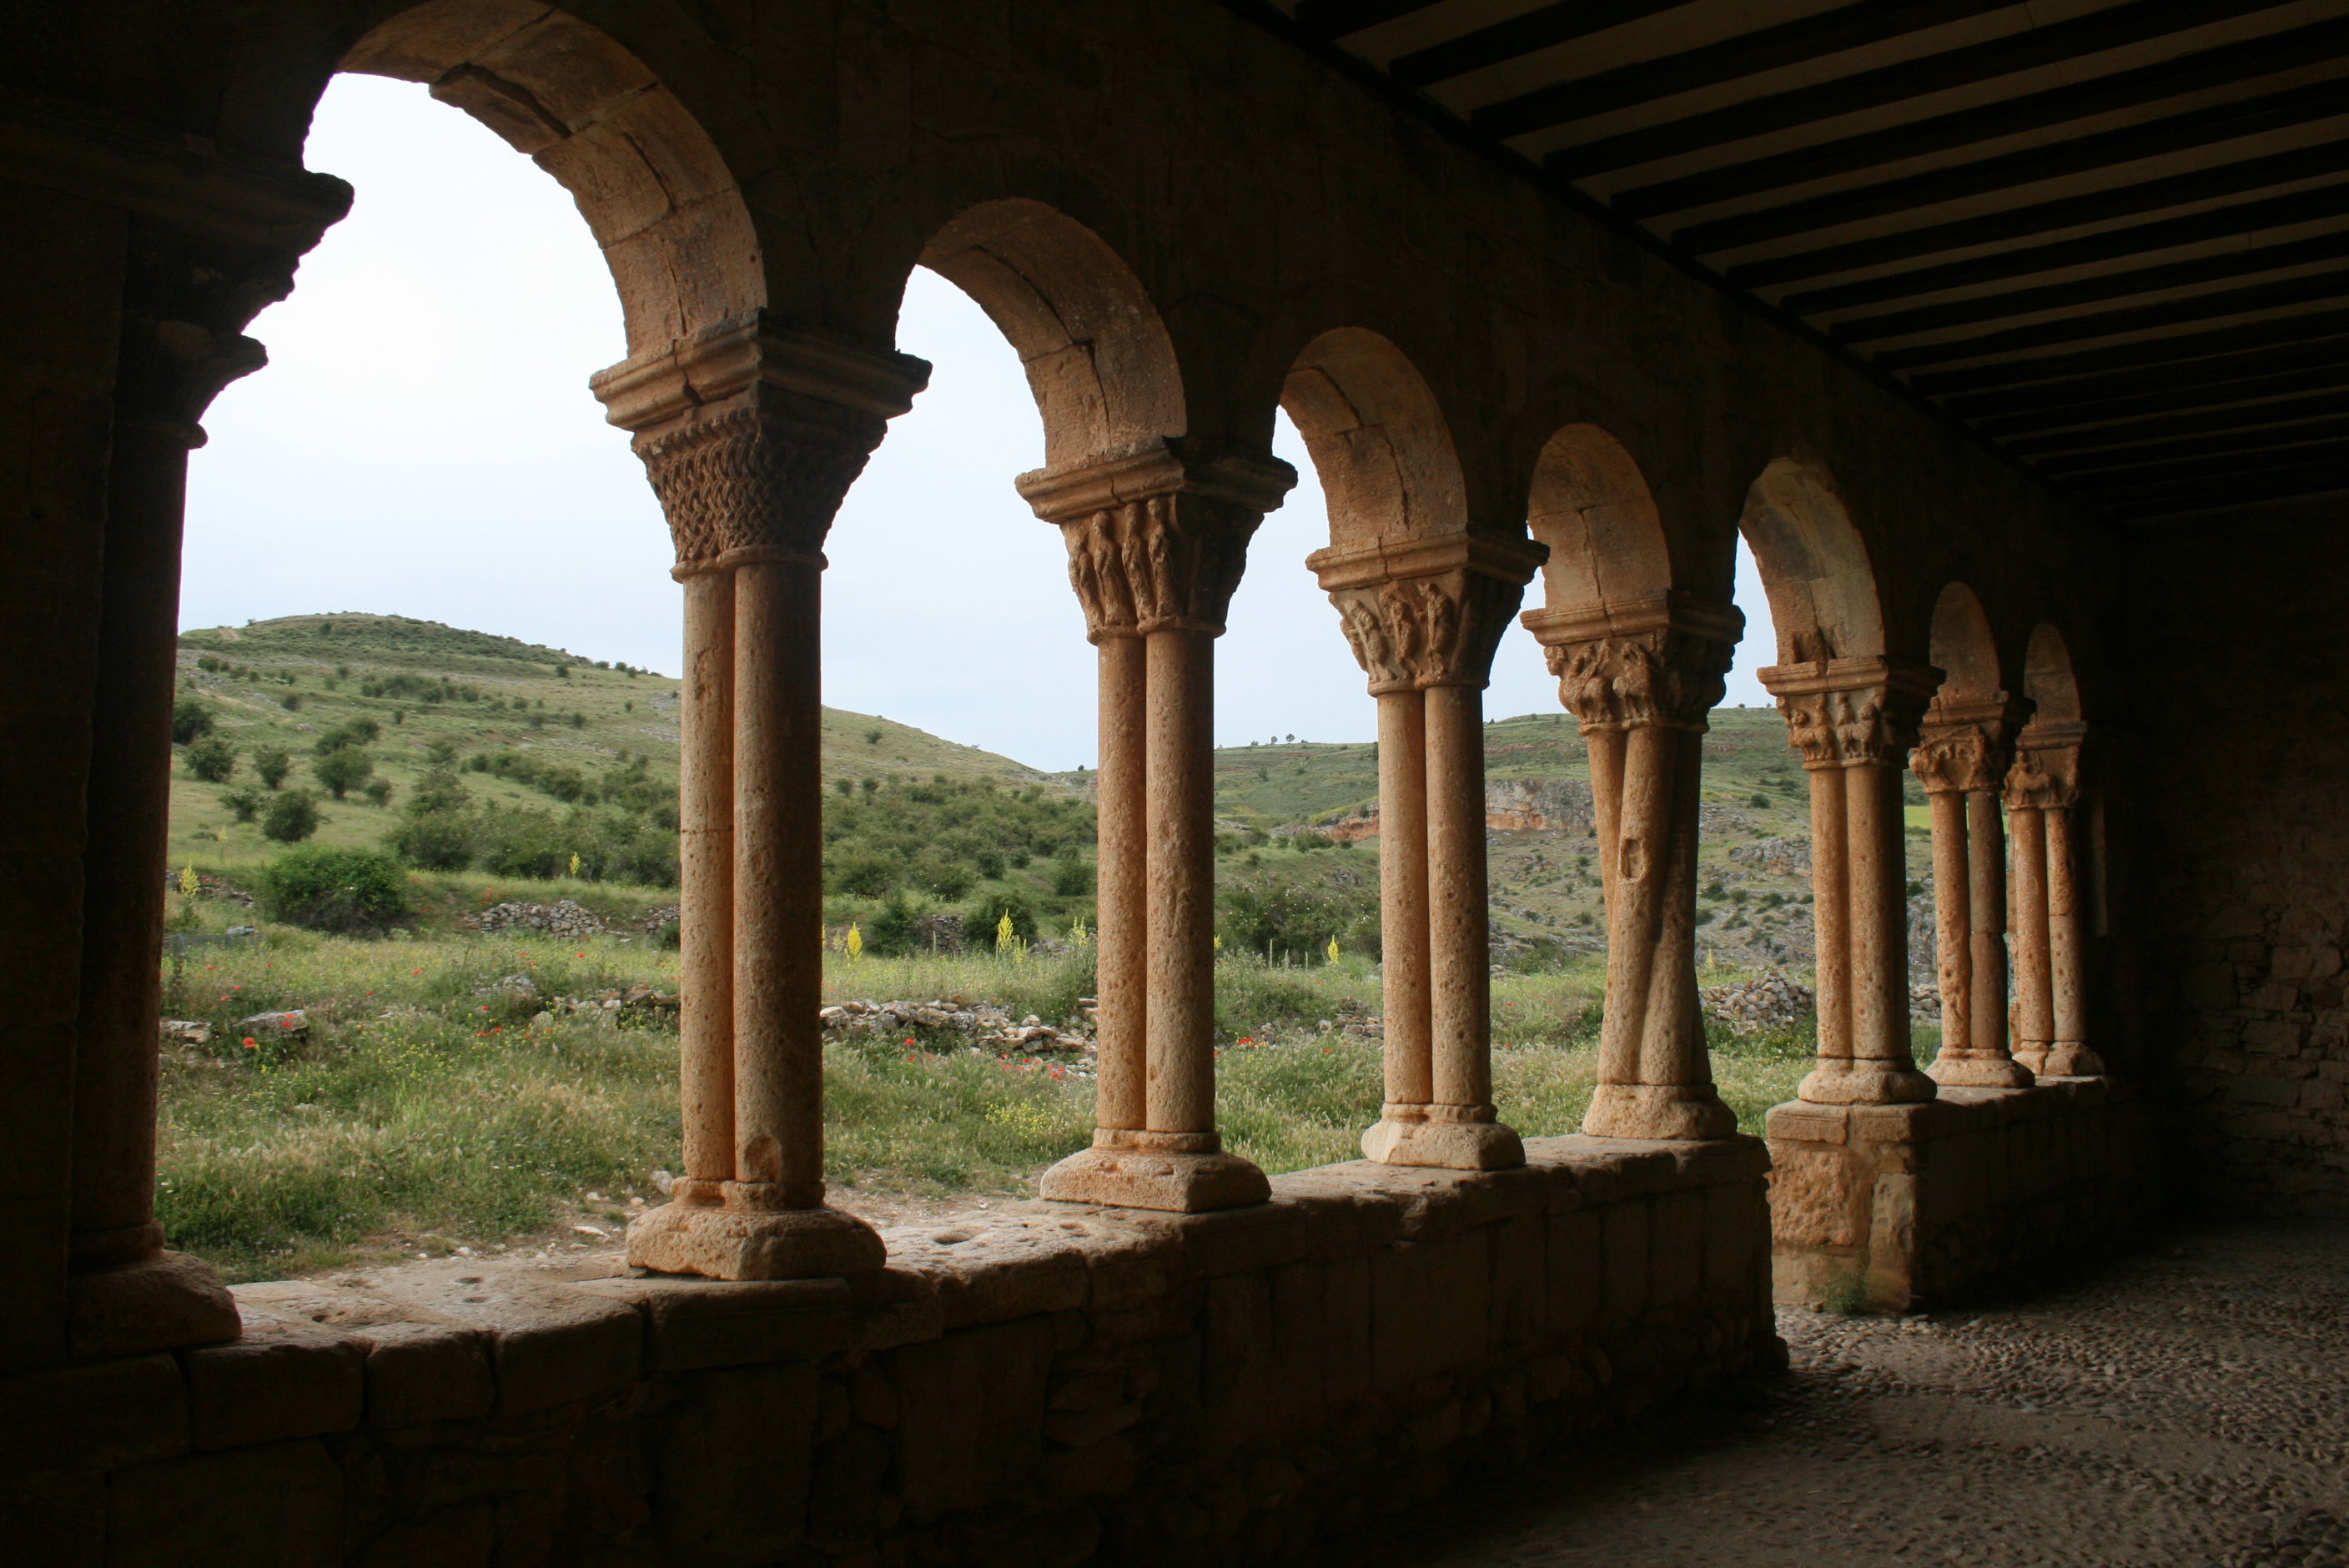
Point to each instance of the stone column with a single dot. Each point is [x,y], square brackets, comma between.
[1423,616]
[1156,540]
[1962,761]
[2043,790]
[190,281]
[1854,721]
[1641,677]
[751,435]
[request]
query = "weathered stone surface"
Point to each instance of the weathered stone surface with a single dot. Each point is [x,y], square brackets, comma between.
[275,1381]
[971,1417]
[549,1345]
[279,1506]
[735,1453]
[157,1304]
[93,1418]
[696,1324]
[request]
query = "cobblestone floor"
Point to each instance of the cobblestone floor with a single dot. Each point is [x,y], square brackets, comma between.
[2188,1408]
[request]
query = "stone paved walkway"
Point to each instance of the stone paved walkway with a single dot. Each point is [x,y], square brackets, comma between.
[2187,1408]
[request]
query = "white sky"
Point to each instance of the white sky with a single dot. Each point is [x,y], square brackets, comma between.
[423,444]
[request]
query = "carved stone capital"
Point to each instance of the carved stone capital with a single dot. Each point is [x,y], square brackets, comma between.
[1966,745]
[752,433]
[1427,611]
[2046,771]
[1654,662]
[1852,713]
[1157,536]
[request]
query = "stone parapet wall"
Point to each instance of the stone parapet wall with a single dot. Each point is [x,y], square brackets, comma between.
[1049,1384]
[1892,1206]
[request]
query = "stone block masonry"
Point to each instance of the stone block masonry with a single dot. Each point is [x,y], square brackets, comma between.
[1052,1385]
[1893,1206]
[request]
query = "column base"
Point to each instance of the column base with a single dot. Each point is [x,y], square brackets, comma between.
[1173,1172]
[1865,1083]
[1680,1111]
[716,1242]
[157,1302]
[1442,1138]
[2032,1055]
[1979,1072]
[2069,1058]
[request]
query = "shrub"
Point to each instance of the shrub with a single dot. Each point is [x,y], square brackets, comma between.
[1072,877]
[343,770]
[292,816]
[357,732]
[437,840]
[212,759]
[293,701]
[190,720]
[272,764]
[947,878]
[377,790]
[864,876]
[890,933]
[983,921]
[244,805]
[335,890]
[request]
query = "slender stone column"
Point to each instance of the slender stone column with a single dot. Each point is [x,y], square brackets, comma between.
[2043,790]
[1640,677]
[190,284]
[751,435]
[1423,616]
[1157,539]
[1961,761]
[1854,721]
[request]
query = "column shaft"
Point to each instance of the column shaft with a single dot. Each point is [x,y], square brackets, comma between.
[1122,883]
[1459,938]
[778,884]
[1623,1020]
[706,868]
[1986,909]
[1953,921]
[1831,916]
[1403,902]
[2035,1008]
[1182,892]
[2068,1053]
[1880,918]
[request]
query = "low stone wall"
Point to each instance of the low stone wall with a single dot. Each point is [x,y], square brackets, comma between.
[1054,1384]
[1892,1206]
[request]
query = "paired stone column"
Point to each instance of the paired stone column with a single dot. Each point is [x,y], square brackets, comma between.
[2051,1002]
[1157,538]
[192,278]
[1962,762]
[1854,721]
[751,435]
[1423,616]
[1641,677]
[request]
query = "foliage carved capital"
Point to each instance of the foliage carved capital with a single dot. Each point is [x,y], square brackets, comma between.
[758,483]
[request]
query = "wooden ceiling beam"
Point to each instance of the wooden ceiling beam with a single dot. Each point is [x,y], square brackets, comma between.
[2187,311]
[2145,353]
[1504,41]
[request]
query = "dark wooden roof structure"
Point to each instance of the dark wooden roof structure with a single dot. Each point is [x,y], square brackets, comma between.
[2110,235]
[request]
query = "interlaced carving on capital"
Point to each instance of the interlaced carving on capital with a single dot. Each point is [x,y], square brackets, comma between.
[1853,727]
[1158,562]
[1412,633]
[758,483]
[1662,678]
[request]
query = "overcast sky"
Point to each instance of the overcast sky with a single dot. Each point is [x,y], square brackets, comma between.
[423,444]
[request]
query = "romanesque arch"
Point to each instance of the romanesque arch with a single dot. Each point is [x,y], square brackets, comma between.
[650,182]
[1963,647]
[2049,679]
[1098,357]
[1591,505]
[1379,440]
[1814,565]
[2045,808]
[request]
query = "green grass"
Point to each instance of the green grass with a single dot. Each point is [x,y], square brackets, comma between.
[427,1107]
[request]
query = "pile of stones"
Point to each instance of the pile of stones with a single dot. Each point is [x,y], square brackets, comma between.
[1768,1001]
[655,918]
[986,1026]
[207,886]
[561,918]
[633,1005]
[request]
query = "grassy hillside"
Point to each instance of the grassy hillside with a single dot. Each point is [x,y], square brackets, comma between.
[285,684]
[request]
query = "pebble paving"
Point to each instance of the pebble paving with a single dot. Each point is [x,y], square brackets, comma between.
[2186,1408]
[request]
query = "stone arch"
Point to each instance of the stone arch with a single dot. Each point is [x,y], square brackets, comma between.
[1098,356]
[2049,679]
[1591,505]
[650,182]
[1379,440]
[1814,565]
[1963,647]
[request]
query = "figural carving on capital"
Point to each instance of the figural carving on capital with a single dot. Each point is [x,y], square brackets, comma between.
[1413,633]
[1868,727]
[1157,536]
[1662,678]
[2046,771]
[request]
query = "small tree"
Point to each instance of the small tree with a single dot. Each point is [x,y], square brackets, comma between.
[212,759]
[244,805]
[377,790]
[343,770]
[190,720]
[292,816]
[272,764]
[335,889]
